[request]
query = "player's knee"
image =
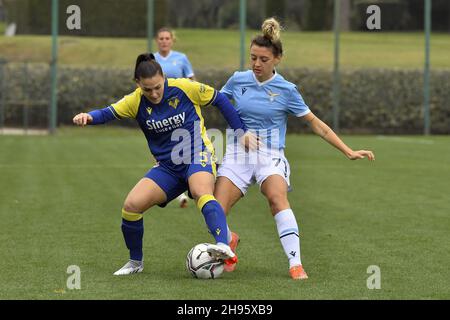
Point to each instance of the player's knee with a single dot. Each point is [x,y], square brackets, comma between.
[132,206]
[199,191]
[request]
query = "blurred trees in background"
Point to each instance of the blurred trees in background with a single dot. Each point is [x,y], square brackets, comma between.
[128,18]
[98,18]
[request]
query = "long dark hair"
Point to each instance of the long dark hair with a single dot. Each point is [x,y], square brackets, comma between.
[147,67]
[270,38]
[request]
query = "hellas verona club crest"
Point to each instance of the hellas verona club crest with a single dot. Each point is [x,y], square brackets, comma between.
[173,102]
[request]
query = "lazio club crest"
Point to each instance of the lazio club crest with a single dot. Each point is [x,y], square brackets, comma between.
[272,96]
[173,102]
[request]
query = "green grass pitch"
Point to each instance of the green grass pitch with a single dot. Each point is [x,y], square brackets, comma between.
[220,49]
[61,197]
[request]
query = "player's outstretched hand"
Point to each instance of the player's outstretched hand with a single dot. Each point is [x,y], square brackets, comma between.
[361,154]
[250,141]
[82,119]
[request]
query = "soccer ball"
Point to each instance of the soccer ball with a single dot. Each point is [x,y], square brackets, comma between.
[201,264]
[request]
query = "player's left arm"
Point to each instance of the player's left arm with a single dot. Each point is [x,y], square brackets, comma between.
[203,95]
[206,95]
[248,139]
[188,71]
[325,132]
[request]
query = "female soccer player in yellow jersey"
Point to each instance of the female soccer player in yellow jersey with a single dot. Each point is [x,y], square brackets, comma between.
[174,65]
[264,99]
[164,108]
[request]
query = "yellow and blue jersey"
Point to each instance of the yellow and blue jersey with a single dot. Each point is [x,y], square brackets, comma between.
[180,108]
[174,128]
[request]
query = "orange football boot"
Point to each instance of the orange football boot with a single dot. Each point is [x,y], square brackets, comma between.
[230,266]
[231,262]
[297,273]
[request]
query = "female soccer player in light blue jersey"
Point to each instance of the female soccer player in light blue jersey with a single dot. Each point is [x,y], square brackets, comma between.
[175,65]
[163,107]
[264,99]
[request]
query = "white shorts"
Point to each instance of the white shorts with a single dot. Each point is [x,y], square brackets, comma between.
[256,166]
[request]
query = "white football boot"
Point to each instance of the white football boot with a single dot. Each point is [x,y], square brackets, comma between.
[222,252]
[130,267]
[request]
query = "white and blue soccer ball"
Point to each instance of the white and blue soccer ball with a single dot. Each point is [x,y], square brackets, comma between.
[201,264]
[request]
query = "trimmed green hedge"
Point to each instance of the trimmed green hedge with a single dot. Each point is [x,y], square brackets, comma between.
[372,100]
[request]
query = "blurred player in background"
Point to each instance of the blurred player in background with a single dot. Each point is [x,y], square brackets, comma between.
[264,99]
[175,65]
[161,106]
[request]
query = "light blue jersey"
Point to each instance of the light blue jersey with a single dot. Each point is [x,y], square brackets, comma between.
[175,65]
[264,106]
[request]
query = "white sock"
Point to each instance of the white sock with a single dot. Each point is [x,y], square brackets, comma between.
[228,235]
[288,232]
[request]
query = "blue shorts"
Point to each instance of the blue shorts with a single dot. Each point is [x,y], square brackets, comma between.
[173,179]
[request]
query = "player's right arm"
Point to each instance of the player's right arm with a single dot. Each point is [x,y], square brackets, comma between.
[82,119]
[127,107]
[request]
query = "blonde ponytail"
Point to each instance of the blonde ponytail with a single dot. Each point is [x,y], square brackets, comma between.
[271,29]
[270,37]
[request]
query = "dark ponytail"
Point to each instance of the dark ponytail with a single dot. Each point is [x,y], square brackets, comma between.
[147,67]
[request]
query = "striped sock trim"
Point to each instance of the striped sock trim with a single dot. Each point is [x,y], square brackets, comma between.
[285,235]
[131,216]
[288,232]
[204,200]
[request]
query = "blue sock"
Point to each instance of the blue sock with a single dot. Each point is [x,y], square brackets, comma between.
[133,232]
[215,218]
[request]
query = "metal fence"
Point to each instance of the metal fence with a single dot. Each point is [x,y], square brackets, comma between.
[24,97]
[48,105]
